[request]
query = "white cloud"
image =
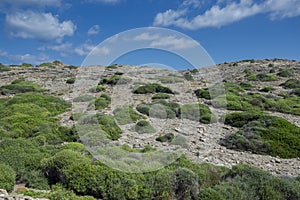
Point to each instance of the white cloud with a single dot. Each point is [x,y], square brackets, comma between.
[42,26]
[25,58]
[87,48]
[103,1]
[20,3]
[229,12]
[94,30]
[171,42]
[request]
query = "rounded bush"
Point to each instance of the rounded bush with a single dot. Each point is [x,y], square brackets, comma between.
[7,177]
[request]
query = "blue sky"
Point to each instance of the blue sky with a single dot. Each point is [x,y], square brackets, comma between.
[35,31]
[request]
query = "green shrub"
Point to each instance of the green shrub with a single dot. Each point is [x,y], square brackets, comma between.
[160,109]
[115,79]
[262,77]
[24,158]
[26,65]
[291,84]
[161,96]
[84,98]
[263,134]
[112,67]
[267,89]
[169,79]
[197,112]
[54,105]
[152,88]
[109,126]
[239,119]
[126,115]
[203,93]
[296,92]
[246,86]
[168,137]
[7,177]
[98,88]
[143,126]
[4,68]
[70,81]
[21,86]
[180,140]
[102,102]
[188,76]
[46,64]
[285,72]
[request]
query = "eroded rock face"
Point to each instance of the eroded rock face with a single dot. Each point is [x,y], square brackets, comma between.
[203,139]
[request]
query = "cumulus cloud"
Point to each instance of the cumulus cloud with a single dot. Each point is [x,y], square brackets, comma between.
[25,58]
[30,3]
[227,12]
[87,48]
[170,42]
[103,1]
[42,26]
[94,30]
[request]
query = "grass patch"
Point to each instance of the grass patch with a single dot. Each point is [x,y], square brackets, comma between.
[4,68]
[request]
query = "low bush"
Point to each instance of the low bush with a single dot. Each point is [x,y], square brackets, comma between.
[263,134]
[203,93]
[4,68]
[102,102]
[98,88]
[84,98]
[110,127]
[161,96]
[21,86]
[246,86]
[285,72]
[180,140]
[126,114]
[291,84]
[197,112]
[70,81]
[152,88]
[169,79]
[188,76]
[143,126]
[168,137]
[7,177]
[262,77]
[114,80]
[267,89]
[160,109]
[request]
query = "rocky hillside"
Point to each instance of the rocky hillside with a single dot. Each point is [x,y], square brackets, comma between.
[139,119]
[267,79]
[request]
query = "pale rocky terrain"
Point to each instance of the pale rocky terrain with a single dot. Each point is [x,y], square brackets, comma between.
[203,139]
